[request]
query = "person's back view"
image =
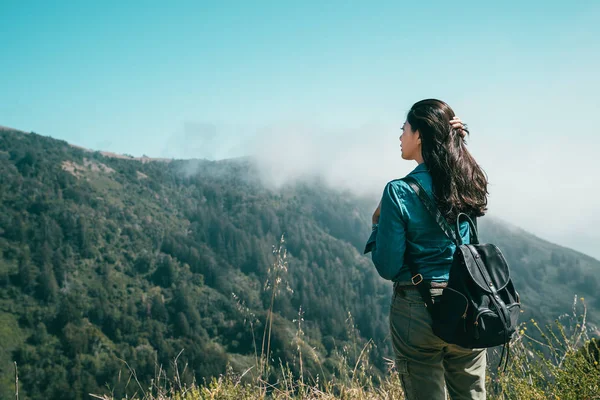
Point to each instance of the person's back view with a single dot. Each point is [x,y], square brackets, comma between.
[405,234]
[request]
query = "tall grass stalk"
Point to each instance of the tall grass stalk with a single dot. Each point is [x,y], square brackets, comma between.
[556,362]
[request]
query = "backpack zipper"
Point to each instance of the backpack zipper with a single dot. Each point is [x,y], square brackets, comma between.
[488,311]
[464,316]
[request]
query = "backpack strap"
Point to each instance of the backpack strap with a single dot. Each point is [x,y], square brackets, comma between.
[417,279]
[422,285]
[433,209]
[472,224]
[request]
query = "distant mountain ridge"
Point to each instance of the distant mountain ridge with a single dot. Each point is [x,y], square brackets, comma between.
[105,256]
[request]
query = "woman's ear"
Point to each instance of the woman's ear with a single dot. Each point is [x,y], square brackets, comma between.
[418,136]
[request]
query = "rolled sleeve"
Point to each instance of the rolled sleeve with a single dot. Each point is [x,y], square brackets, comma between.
[387,243]
[371,241]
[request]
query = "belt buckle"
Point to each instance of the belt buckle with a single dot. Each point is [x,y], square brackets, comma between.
[419,278]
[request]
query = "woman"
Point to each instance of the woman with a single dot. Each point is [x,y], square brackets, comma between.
[404,233]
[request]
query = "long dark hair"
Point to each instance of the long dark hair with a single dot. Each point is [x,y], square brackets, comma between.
[459,183]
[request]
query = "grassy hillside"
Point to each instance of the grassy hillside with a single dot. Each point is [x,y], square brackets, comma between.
[104,259]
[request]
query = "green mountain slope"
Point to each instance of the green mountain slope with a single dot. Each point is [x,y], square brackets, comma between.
[106,259]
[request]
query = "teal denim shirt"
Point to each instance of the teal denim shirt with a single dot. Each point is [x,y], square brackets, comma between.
[407,234]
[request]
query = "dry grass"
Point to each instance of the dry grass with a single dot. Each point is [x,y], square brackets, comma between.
[556,362]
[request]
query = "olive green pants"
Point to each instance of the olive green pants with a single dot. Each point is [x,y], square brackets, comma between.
[428,366]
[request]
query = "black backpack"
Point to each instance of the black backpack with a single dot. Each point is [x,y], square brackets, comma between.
[480,306]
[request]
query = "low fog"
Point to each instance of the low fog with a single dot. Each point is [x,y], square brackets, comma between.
[547,187]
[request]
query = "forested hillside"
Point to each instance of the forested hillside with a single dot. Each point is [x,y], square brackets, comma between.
[104,259]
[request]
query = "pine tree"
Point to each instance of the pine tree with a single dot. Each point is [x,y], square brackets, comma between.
[47,288]
[27,273]
[182,327]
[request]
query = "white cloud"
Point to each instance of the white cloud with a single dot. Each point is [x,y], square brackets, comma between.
[361,160]
[548,184]
[550,188]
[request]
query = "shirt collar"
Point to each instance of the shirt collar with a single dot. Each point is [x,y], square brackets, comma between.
[420,168]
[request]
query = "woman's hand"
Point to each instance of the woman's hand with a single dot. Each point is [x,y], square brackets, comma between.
[376,214]
[458,124]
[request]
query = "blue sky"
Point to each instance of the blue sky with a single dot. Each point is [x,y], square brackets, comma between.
[223,79]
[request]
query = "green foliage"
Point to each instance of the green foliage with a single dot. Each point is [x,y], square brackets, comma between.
[565,370]
[563,364]
[108,259]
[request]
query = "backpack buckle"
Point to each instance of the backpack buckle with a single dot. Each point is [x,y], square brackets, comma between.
[418,277]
